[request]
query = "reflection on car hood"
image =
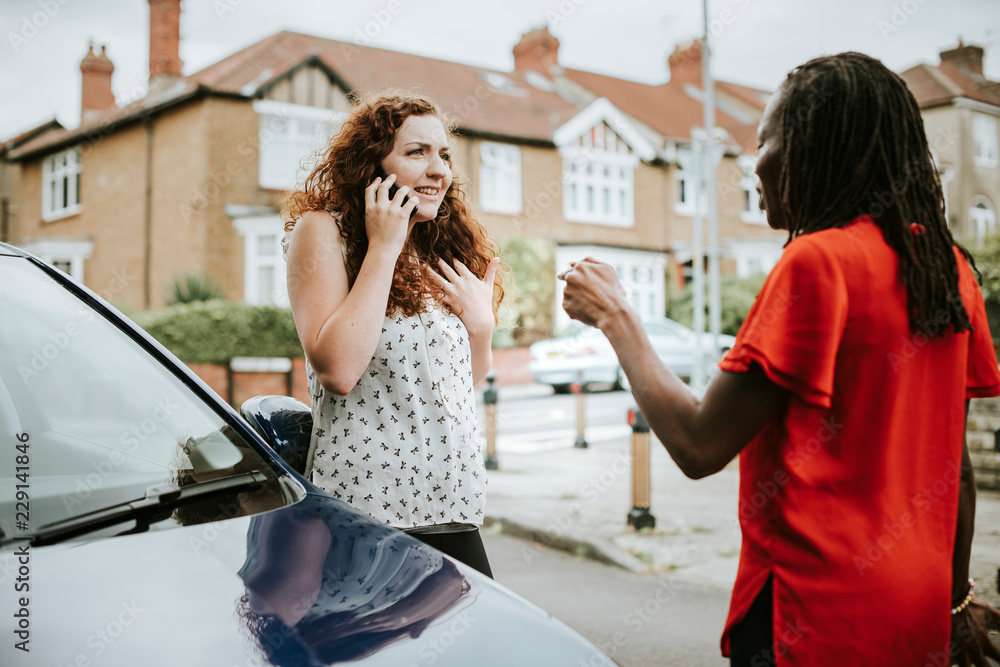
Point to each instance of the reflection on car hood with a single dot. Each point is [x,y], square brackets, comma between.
[310,584]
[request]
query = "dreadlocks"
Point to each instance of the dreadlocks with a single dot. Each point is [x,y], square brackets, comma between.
[854,144]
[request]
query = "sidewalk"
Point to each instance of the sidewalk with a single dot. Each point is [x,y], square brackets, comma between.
[578,500]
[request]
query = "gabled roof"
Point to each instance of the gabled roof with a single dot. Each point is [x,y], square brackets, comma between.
[601,110]
[100,125]
[755,97]
[28,135]
[669,109]
[934,85]
[481,101]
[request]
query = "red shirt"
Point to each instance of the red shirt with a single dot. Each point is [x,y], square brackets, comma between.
[850,497]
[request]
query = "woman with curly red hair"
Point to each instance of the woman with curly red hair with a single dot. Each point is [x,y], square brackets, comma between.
[395,299]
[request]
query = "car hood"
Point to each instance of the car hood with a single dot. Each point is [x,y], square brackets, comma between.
[314,583]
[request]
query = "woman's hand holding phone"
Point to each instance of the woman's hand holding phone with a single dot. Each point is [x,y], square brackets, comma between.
[389,211]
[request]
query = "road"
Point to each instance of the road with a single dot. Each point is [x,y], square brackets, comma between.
[536,420]
[640,620]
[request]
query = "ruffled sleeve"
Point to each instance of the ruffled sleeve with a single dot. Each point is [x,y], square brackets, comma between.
[796,324]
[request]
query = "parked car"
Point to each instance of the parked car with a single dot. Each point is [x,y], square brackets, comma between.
[144,522]
[586,357]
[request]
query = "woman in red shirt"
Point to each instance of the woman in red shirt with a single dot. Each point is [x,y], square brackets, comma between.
[845,393]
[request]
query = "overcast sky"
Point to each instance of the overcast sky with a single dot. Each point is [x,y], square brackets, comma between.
[755,41]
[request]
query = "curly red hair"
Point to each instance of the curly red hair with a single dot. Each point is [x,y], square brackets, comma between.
[348,165]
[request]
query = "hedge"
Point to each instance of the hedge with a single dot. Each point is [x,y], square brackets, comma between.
[213,332]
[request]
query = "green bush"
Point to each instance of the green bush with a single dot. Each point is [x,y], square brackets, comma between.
[736,295]
[213,332]
[526,315]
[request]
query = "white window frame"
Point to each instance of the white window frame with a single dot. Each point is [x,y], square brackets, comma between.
[984,138]
[500,178]
[61,177]
[687,183]
[751,213]
[642,274]
[982,218]
[285,142]
[608,177]
[753,257]
[254,231]
[64,251]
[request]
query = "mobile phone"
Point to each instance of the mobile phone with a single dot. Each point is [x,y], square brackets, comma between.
[393,189]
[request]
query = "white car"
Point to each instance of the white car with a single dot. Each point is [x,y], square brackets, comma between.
[586,356]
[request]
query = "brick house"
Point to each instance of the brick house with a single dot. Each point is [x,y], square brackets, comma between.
[10,176]
[961,110]
[189,177]
[666,114]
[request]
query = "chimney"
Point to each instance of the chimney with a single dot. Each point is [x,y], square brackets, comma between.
[164,40]
[96,95]
[685,64]
[966,57]
[538,50]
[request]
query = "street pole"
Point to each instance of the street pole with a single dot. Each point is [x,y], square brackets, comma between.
[697,260]
[711,164]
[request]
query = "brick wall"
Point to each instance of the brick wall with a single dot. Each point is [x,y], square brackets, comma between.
[248,385]
[508,367]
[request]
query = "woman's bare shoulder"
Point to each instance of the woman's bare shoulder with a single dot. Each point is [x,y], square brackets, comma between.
[317,220]
[316,234]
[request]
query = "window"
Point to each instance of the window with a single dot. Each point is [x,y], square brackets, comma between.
[751,212]
[263,264]
[599,184]
[642,275]
[61,185]
[67,255]
[289,136]
[753,257]
[982,219]
[984,133]
[686,184]
[500,178]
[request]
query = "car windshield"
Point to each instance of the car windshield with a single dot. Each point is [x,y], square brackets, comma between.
[89,419]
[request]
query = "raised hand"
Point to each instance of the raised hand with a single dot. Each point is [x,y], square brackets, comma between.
[387,221]
[592,291]
[470,298]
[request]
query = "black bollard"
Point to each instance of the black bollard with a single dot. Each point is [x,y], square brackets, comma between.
[490,400]
[639,517]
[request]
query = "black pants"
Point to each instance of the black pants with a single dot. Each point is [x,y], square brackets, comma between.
[751,643]
[466,547]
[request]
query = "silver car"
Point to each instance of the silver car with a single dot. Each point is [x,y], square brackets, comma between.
[586,357]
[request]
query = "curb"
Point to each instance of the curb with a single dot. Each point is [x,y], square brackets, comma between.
[596,550]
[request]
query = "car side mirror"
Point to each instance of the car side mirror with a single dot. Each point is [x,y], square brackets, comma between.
[285,423]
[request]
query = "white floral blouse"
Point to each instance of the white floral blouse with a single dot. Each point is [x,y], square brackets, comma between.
[403,444]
